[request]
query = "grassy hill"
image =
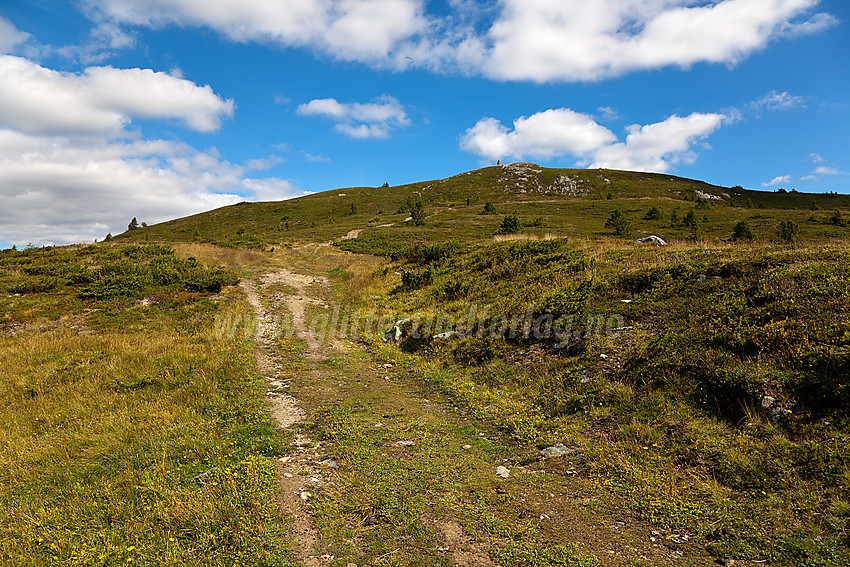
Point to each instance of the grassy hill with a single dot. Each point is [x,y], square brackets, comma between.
[564,202]
[701,387]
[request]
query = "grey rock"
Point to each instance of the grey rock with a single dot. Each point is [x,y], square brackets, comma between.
[394,334]
[776,413]
[203,476]
[557,450]
[446,335]
[503,472]
[767,402]
[652,239]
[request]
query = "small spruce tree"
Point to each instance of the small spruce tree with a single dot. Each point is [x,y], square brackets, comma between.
[743,231]
[134,224]
[787,231]
[691,223]
[652,214]
[417,213]
[510,225]
[618,223]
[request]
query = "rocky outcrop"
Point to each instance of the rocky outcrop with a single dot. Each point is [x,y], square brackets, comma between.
[525,178]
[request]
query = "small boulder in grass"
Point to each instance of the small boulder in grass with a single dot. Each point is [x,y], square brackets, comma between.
[503,472]
[652,239]
[557,450]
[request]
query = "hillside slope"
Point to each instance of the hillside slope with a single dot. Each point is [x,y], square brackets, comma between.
[566,202]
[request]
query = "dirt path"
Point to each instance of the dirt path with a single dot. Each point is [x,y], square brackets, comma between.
[301,472]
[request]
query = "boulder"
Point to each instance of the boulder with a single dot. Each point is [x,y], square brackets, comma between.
[445,336]
[651,239]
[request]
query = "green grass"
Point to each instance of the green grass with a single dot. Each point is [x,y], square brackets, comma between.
[670,415]
[109,409]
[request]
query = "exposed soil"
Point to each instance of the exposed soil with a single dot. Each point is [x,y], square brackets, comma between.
[298,473]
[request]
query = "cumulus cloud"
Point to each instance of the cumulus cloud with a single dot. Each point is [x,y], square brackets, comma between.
[546,134]
[536,40]
[71,170]
[59,189]
[564,132]
[375,119]
[102,100]
[657,147]
[778,180]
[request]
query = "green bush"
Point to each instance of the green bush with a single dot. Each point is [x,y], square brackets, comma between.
[427,253]
[416,279]
[510,225]
[38,284]
[134,277]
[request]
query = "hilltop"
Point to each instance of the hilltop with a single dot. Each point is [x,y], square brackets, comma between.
[564,202]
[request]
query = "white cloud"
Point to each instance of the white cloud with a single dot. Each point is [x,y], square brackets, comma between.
[272,189]
[774,101]
[71,170]
[817,23]
[608,113]
[564,132]
[376,119]
[816,158]
[827,171]
[314,158]
[10,36]
[657,147]
[778,180]
[59,189]
[103,40]
[103,100]
[536,40]
[546,134]
[361,30]
[262,164]
[823,170]
[546,40]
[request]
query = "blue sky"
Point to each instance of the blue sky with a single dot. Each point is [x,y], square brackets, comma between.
[111,109]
